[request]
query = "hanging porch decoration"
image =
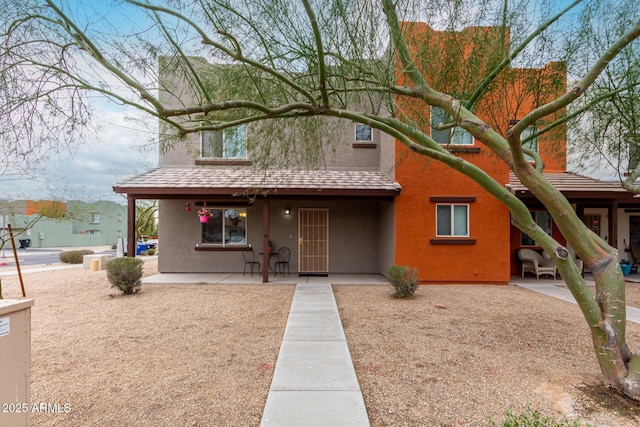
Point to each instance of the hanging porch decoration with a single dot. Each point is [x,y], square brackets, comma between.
[203,213]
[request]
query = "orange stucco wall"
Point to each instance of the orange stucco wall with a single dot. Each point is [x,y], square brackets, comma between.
[50,206]
[486,255]
[484,261]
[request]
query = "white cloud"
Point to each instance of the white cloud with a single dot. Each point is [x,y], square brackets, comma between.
[119,148]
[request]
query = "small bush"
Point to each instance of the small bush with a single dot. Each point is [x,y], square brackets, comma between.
[151,251]
[533,418]
[74,257]
[404,280]
[125,274]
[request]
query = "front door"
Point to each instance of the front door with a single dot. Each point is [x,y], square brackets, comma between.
[313,244]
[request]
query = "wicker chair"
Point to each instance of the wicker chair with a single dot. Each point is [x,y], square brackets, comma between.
[577,261]
[533,262]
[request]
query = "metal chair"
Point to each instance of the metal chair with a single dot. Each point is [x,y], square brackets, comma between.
[284,253]
[634,254]
[249,259]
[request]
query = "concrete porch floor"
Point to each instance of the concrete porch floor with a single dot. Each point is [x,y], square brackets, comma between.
[238,278]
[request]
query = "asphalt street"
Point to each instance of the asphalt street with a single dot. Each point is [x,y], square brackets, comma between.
[37,256]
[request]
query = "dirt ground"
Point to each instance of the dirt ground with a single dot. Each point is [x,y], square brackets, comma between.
[488,350]
[204,355]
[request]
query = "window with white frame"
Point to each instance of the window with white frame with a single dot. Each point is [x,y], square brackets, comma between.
[529,137]
[452,220]
[229,143]
[454,135]
[226,227]
[95,218]
[543,219]
[364,133]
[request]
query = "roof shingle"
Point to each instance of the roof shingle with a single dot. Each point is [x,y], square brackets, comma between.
[185,180]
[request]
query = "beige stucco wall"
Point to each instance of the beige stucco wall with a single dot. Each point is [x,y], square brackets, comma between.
[354,236]
[336,135]
[387,236]
[361,231]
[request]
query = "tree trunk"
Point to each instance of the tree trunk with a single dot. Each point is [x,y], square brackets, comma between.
[620,368]
[605,312]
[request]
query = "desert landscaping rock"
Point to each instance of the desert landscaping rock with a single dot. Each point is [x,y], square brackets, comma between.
[203,355]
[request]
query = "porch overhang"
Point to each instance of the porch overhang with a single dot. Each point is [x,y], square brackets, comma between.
[577,188]
[185,183]
[584,192]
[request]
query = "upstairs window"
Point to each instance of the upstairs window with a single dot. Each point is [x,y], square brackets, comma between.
[225,144]
[633,141]
[532,144]
[455,135]
[363,133]
[452,220]
[95,218]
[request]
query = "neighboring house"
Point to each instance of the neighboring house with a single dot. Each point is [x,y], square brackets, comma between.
[447,226]
[373,203]
[71,224]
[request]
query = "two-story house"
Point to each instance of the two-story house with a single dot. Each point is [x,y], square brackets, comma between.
[338,218]
[371,203]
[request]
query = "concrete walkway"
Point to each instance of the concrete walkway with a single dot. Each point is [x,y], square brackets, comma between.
[557,289]
[314,383]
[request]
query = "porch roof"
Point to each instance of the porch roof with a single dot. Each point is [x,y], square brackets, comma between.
[575,186]
[176,182]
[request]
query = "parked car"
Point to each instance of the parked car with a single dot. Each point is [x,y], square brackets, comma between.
[151,243]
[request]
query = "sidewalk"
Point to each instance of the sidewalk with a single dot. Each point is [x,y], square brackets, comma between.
[314,383]
[557,289]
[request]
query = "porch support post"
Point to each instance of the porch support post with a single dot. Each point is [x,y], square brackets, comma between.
[613,224]
[265,240]
[131,226]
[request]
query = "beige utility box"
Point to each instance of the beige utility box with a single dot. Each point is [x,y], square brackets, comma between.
[15,362]
[101,258]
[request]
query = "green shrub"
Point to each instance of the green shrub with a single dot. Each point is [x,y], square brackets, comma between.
[74,257]
[151,251]
[532,418]
[125,274]
[404,280]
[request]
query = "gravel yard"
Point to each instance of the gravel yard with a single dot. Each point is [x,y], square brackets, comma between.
[204,355]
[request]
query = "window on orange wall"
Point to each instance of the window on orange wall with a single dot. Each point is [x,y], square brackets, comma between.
[452,220]
[529,140]
[543,219]
[455,135]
